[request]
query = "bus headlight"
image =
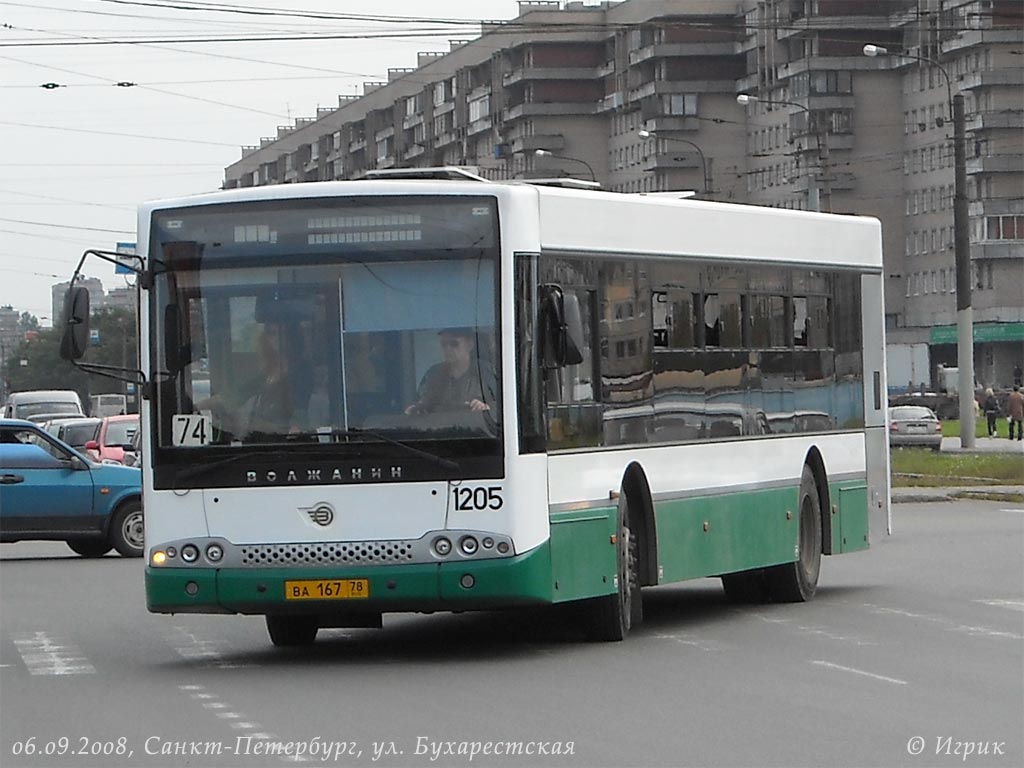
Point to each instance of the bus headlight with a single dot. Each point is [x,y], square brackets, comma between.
[468,545]
[159,558]
[214,553]
[190,553]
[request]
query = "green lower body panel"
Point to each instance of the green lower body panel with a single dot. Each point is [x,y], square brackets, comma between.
[711,535]
[521,580]
[850,506]
[583,553]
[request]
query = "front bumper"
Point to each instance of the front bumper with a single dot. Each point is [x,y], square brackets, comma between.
[521,580]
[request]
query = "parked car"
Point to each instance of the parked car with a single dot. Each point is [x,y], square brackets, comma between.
[915,425]
[35,404]
[76,431]
[114,434]
[50,491]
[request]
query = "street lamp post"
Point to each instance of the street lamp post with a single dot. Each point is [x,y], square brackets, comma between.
[814,192]
[645,134]
[962,250]
[548,153]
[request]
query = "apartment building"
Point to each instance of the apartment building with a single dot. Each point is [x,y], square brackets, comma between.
[828,128]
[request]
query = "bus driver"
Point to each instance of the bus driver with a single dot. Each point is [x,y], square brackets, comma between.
[454,383]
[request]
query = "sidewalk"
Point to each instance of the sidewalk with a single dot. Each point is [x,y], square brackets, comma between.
[1010,494]
[984,445]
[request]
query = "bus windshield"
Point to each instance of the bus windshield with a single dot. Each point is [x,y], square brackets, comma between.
[326,322]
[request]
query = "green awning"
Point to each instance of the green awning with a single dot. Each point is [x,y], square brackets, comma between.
[983,333]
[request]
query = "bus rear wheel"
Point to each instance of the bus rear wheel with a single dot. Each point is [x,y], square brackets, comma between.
[797,582]
[292,631]
[610,617]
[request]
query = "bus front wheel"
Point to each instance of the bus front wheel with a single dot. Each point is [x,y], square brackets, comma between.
[797,582]
[291,631]
[610,617]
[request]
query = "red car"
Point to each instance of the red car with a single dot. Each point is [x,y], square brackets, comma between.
[115,433]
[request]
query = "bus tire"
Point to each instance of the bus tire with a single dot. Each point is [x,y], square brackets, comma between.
[292,631]
[745,587]
[89,547]
[127,528]
[797,582]
[610,617]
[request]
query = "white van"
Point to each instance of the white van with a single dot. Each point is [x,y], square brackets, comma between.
[108,405]
[50,403]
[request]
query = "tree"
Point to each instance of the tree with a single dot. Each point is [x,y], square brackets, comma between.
[117,345]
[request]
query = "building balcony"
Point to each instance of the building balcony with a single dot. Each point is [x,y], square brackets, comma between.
[1006,77]
[611,101]
[551,141]
[608,68]
[996,206]
[524,74]
[531,109]
[677,158]
[813,26]
[411,121]
[838,182]
[997,249]
[1002,164]
[384,133]
[446,138]
[988,121]
[444,109]
[658,87]
[665,123]
[665,50]
[385,162]
[413,151]
[357,146]
[479,126]
[479,92]
[975,37]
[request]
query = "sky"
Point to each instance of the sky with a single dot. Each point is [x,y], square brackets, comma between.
[142,112]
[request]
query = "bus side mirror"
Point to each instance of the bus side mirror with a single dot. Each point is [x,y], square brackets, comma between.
[75,338]
[561,328]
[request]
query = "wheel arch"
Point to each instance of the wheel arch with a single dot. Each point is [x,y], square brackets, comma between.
[817,466]
[117,505]
[638,494]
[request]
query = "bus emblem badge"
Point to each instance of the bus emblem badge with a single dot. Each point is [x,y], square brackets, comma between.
[322,513]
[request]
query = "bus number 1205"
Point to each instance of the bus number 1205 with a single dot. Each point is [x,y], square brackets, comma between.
[468,499]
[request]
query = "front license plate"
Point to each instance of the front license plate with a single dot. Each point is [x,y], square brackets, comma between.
[327,589]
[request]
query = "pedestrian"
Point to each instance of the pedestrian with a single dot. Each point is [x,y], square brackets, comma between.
[1018,376]
[1015,411]
[991,408]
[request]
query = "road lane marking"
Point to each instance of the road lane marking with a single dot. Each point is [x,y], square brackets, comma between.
[812,630]
[191,647]
[235,720]
[47,654]
[841,668]
[947,624]
[1013,605]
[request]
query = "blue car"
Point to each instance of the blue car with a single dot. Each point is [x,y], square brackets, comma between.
[49,490]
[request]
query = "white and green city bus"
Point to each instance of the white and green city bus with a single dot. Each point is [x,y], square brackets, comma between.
[665,389]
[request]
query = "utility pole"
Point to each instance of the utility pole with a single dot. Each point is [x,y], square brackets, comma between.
[964,310]
[962,250]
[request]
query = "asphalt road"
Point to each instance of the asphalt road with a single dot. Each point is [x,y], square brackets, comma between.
[912,654]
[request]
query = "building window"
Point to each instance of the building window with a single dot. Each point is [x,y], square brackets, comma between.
[679,104]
